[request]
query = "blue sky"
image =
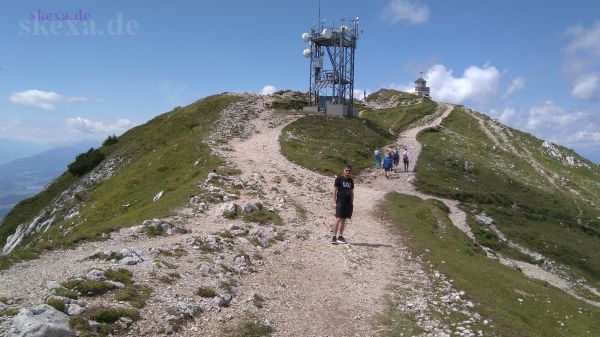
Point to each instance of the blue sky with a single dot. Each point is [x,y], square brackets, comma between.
[109,65]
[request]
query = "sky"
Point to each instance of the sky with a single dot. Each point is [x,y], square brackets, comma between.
[80,70]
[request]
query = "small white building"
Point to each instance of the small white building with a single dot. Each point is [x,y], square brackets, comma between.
[421,88]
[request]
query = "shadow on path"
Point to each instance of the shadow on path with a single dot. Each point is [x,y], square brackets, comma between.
[371,245]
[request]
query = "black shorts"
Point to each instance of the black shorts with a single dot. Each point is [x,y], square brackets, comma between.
[343,209]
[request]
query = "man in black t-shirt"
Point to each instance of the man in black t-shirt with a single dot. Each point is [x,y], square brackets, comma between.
[343,197]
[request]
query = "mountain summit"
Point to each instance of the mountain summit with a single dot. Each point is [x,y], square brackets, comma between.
[213,219]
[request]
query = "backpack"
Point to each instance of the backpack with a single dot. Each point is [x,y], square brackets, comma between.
[405,156]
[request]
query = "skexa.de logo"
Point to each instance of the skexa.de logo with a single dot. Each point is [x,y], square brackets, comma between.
[76,24]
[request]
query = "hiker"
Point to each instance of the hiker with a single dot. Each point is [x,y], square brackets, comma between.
[405,159]
[377,158]
[343,198]
[388,162]
[396,158]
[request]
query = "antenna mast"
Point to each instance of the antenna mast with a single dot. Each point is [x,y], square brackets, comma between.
[331,52]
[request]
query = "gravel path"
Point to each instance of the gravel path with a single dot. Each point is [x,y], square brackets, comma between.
[312,288]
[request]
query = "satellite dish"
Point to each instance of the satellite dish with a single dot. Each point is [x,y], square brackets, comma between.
[306,37]
[307,53]
[327,33]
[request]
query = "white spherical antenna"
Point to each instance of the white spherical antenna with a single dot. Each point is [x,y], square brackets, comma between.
[306,37]
[307,53]
[327,32]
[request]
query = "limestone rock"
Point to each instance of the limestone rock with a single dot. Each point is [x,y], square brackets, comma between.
[250,207]
[228,209]
[95,275]
[74,309]
[40,321]
[158,196]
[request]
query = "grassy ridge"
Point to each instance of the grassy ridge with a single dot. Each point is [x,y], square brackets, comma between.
[325,144]
[165,154]
[495,289]
[523,204]
[398,119]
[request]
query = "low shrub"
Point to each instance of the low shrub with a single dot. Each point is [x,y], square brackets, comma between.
[206,292]
[112,314]
[85,162]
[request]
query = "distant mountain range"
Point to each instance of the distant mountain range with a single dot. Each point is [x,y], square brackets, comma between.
[24,177]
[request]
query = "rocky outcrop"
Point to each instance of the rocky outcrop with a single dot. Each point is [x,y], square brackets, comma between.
[62,207]
[40,321]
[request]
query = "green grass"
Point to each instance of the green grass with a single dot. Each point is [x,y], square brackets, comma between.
[66,293]
[523,204]
[296,102]
[88,287]
[495,288]
[9,312]
[300,211]
[56,304]
[106,257]
[120,275]
[384,95]
[228,284]
[82,327]
[206,292]
[263,217]
[152,231]
[157,156]
[258,301]
[169,278]
[399,118]
[325,144]
[250,328]
[137,295]
[111,314]
[176,252]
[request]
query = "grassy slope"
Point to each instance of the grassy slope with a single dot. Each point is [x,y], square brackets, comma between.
[494,288]
[399,118]
[383,95]
[159,156]
[326,144]
[523,204]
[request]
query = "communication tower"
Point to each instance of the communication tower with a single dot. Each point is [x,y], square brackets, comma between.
[331,53]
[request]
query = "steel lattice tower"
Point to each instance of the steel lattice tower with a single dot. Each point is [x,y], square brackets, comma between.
[331,53]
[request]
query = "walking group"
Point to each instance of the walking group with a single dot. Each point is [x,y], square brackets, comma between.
[392,160]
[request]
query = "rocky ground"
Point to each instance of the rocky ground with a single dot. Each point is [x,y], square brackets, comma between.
[211,273]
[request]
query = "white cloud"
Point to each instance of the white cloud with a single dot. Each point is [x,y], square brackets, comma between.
[91,127]
[268,90]
[549,115]
[506,116]
[475,84]
[42,99]
[585,88]
[582,60]
[518,84]
[584,136]
[360,93]
[586,40]
[406,10]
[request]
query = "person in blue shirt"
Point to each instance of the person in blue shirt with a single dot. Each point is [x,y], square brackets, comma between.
[388,163]
[377,158]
